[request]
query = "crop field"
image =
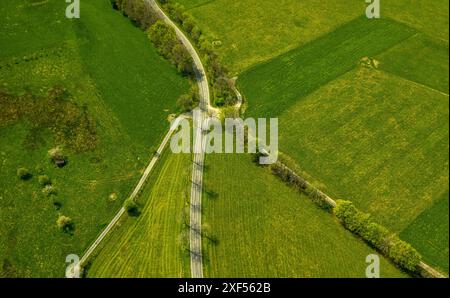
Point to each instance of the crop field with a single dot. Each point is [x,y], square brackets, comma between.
[429,235]
[421,60]
[266,229]
[389,159]
[155,243]
[254,31]
[89,86]
[333,132]
[274,86]
[366,120]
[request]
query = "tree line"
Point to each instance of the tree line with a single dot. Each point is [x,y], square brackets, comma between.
[168,45]
[354,220]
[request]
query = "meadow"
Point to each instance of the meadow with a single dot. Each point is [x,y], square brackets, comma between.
[110,73]
[273,87]
[377,140]
[155,243]
[362,104]
[264,228]
[254,31]
[366,120]
[430,236]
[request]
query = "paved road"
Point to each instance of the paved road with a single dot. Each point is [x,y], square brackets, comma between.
[199,146]
[136,191]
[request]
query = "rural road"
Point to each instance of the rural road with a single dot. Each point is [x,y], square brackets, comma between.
[199,156]
[195,234]
[136,191]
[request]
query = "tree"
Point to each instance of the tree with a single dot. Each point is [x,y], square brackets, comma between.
[131,207]
[24,173]
[57,157]
[49,190]
[182,59]
[44,180]
[188,102]
[65,223]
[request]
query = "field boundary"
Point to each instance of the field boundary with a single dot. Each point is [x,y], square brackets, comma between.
[417,84]
[424,269]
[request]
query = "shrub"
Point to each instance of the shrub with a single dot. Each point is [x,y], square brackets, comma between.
[49,190]
[131,207]
[65,223]
[402,253]
[57,157]
[44,180]
[24,173]
[189,101]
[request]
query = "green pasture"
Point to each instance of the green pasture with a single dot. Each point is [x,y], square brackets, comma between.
[112,75]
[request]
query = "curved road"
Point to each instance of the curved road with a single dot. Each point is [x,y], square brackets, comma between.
[199,146]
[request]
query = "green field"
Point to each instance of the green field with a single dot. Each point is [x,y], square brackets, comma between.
[118,93]
[431,236]
[153,244]
[273,87]
[421,60]
[372,156]
[254,31]
[374,133]
[266,229]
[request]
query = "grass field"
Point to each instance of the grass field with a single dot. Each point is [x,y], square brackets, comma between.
[273,87]
[420,59]
[429,235]
[337,139]
[153,244]
[266,229]
[254,31]
[112,74]
[374,133]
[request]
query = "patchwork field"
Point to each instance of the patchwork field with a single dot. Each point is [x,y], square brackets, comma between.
[364,113]
[390,159]
[89,86]
[275,86]
[266,229]
[155,243]
[254,31]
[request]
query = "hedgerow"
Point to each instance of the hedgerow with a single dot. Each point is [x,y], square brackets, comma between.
[376,235]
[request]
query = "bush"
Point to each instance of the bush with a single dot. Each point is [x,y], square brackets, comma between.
[218,75]
[44,180]
[57,157]
[65,223]
[49,190]
[24,174]
[360,223]
[131,207]
[404,254]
